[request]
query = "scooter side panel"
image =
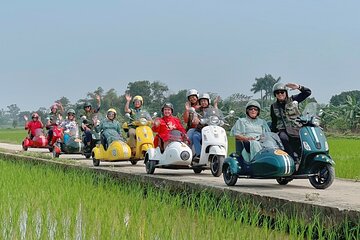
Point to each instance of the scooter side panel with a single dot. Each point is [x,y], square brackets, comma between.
[117,150]
[272,163]
[172,154]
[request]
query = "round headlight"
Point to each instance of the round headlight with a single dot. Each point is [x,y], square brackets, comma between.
[214,120]
[184,155]
[143,121]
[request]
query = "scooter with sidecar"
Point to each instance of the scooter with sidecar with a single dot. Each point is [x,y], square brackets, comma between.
[273,163]
[176,155]
[68,145]
[214,141]
[38,141]
[141,121]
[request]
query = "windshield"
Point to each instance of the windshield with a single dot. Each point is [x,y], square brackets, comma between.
[176,135]
[271,140]
[311,109]
[213,112]
[39,132]
[142,114]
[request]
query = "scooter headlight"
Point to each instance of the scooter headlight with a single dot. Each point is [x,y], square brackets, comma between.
[316,121]
[143,121]
[214,120]
[306,146]
[184,155]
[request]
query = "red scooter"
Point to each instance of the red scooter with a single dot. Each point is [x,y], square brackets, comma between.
[38,141]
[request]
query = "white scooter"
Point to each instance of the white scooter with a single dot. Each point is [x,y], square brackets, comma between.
[214,145]
[176,155]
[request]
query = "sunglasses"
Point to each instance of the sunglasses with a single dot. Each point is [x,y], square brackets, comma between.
[253,108]
[279,92]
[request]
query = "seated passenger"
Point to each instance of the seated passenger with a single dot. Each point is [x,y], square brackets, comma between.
[164,125]
[110,129]
[33,125]
[70,126]
[249,131]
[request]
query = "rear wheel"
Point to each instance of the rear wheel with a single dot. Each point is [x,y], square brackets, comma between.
[325,175]
[197,170]
[216,165]
[133,162]
[150,166]
[229,178]
[55,153]
[96,162]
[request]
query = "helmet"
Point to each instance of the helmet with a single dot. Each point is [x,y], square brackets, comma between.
[34,115]
[111,110]
[167,105]
[139,98]
[192,92]
[205,96]
[279,86]
[87,104]
[72,111]
[253,103]
[54,106]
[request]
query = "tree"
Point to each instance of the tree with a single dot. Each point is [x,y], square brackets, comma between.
[13,111]
[265,84]
[341,99]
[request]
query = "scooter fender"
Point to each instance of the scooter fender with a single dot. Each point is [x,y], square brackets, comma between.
[235,168]
[96,152]
[324,159]
[217,150]
[27,142]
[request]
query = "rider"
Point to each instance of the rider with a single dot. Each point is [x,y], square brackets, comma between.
[87,117]
[31,126]
[164,125]
[110,128]
[70,126]
[52,120]
[284,112]
[188,117]
[138,103]
[249,130]
[204,100]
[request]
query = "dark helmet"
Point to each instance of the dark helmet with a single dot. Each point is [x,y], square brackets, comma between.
[279,87]
[205,96]
[192,92]
[253,103]
[72,111]
[167,105]
[34,115]
[87,104]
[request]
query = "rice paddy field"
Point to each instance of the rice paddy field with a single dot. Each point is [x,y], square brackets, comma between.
[48,202]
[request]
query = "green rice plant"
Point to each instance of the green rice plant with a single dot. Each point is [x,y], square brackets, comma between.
[12,135]
[345,154]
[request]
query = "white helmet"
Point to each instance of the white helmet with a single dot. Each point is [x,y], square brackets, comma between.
[192,92]
[205,96]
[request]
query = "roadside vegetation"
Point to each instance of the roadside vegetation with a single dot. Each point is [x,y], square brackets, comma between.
[47,202]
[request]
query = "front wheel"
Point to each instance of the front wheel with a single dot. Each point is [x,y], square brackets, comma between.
[150,166]
[24,147]
[216,165]
[324,176]
[283,181]
[197,170]
[229,178]
[56,152]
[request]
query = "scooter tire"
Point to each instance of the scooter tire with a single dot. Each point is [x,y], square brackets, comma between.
[24,148]
[197,170]
[283,181]
[229,178]
[96,162]
[325,175]
[133,162]
[216,165]
[150,166]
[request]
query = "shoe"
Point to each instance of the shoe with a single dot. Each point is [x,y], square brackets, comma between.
[196,159]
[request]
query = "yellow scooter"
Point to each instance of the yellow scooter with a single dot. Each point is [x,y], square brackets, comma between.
[144,137]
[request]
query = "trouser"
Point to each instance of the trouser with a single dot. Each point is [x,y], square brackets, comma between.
[88,137]
[190,134]
[291,144]
[196,141]
[132,137]
[50,135]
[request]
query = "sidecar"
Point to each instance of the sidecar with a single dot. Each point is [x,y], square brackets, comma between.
[38,141]
[176,155]
[269,163]
[70,146]
[115,152]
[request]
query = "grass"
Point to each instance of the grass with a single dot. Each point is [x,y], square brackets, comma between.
[46,202]
[12,135]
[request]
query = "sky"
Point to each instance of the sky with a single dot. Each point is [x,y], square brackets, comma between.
[51,49]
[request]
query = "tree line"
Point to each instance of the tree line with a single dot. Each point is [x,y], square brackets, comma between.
[341,115]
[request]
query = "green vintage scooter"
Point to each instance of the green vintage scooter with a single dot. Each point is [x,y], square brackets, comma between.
[273,163]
